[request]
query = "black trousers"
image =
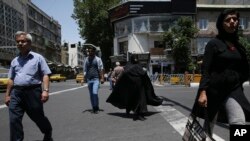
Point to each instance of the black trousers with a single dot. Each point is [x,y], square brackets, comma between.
[26,99]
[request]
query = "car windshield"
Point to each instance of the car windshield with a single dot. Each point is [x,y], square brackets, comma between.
[3,75]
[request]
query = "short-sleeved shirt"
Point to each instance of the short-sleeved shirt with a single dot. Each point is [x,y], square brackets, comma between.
[28,70]
[92,67]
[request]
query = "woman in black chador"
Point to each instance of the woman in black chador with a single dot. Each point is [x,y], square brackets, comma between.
[134,91]
[224,70]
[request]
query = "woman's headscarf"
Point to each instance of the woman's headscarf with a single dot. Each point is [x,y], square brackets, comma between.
[222,34]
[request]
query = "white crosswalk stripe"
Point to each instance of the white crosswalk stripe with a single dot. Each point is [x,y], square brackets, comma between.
[177,120]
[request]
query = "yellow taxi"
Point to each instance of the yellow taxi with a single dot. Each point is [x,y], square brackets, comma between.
[79,78]
[3,81]
[57,77]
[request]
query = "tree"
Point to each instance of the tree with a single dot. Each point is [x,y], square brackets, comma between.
[178,38]
[94,25]
[244,40]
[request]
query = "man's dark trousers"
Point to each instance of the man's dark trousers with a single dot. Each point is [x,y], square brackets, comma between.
[26,99]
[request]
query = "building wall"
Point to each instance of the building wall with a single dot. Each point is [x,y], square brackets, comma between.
[210,14]
[46,33]
[23,15]
[75,56]
[12,20]
[141,41]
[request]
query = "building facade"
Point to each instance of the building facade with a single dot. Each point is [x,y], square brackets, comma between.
[23,15]
[139,25]
[207,13]
[76,56]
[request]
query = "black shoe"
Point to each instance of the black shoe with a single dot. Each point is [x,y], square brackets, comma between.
[47,137]
[139,117]
[95,111]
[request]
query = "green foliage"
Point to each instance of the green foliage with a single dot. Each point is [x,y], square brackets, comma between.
[94,25]
[178,38]
[245,42]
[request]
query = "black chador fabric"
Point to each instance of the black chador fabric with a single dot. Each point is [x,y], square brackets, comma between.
[134,90]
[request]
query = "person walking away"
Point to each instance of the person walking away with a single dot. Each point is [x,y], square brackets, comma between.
[93,69]
[224,70]
[27,89]
[117,72]
[134,91]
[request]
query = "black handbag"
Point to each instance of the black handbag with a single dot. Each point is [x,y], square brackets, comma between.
[194,131]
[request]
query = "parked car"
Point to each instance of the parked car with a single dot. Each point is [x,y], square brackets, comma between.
[3,81]
[79,78]
[57,77]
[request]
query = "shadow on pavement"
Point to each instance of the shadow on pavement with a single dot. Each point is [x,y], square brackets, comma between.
[124,115]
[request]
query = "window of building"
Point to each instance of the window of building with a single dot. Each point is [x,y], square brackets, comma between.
[123,28]
[158,44]
[141,24]
[159,23]
[243,23]
[123,47]
[201,44]
[203,24]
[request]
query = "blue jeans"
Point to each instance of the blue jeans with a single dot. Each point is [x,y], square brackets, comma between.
[26,100]
[93,85]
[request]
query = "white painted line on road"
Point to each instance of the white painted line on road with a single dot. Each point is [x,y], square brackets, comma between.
[177,120]
[2,106]
[54,93]
[59,92]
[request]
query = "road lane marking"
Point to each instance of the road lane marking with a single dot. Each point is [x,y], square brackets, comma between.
[177,120]
[72,89]
[54,93]
[2,106]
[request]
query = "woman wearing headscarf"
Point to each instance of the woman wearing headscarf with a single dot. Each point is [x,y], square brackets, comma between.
[134,91]
[224,70]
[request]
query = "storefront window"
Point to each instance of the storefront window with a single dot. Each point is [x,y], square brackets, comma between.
[159,23]
[141,24]
[144,24]
[123,28]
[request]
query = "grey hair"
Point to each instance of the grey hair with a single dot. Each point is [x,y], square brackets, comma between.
[27,35]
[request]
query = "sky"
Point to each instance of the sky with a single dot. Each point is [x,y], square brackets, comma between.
[61,11]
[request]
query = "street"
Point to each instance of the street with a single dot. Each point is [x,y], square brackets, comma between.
[68,110]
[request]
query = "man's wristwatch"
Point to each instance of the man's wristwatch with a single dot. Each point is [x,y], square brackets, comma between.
[46,90]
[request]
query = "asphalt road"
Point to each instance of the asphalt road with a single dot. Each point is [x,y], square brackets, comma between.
[68,110]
